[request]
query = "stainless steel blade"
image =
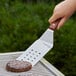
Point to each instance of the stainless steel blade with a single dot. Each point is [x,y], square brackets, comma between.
[39,48]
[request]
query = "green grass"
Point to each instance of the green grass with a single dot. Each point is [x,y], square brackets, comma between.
[21,24]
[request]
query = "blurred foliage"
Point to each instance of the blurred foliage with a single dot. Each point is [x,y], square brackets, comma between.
[21,23]
[63,54]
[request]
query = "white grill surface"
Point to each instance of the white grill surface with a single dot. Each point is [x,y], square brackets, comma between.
[38,70]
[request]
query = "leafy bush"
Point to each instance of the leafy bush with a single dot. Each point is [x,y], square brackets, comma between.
[21,24]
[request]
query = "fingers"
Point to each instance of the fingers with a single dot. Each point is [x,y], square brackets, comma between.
[62,21]
[54,18]
[58,23]
[54,25]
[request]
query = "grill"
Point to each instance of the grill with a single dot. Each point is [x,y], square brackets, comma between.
[42,68]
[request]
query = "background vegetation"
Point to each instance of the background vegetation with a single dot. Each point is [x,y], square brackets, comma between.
[24,21]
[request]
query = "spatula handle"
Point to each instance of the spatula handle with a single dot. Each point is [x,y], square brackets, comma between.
[54,25]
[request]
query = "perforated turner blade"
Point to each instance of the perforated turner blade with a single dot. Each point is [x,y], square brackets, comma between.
[39,48]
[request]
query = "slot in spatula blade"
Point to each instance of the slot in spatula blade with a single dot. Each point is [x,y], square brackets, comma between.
[39,48]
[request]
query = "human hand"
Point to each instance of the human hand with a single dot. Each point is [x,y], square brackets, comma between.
[62,12]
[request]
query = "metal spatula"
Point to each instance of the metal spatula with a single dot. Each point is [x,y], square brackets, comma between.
[39,48]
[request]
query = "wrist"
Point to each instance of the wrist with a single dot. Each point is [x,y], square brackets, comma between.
[72,4]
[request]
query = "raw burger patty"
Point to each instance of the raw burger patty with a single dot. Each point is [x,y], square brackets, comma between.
[18,66]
